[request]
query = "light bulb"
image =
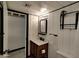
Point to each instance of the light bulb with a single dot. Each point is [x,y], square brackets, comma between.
[43,9]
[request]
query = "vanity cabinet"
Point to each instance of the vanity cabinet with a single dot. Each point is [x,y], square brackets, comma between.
[38,51]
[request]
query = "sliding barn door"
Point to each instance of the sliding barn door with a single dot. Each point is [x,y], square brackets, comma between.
[16,32]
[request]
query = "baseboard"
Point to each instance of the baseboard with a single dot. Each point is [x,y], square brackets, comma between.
[15,49]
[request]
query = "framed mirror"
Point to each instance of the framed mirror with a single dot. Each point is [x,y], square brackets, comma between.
[43,26]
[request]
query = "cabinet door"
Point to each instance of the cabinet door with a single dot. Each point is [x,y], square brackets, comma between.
[39,51]
[33,49]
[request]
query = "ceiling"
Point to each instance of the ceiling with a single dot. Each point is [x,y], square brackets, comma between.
[35,6]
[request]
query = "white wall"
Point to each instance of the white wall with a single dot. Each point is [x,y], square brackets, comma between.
[67,42]
[33,29]
[5,17]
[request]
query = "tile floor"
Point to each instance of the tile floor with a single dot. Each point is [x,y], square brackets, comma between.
[17,54]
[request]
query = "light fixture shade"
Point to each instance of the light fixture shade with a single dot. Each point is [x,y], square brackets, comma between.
[43,9]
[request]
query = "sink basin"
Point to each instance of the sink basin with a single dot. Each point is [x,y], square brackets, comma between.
[39,42]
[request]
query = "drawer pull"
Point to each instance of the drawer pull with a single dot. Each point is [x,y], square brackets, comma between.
[43,51]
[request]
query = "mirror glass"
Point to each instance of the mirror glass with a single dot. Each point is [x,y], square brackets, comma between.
[43,26]
[43,23]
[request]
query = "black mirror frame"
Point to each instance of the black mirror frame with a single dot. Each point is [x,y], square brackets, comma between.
[39,27]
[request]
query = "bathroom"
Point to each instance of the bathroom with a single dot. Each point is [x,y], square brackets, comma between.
[51,26]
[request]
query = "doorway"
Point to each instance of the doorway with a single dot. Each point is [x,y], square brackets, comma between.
[17,33]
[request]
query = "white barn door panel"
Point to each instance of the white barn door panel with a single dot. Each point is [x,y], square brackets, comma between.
[16,32]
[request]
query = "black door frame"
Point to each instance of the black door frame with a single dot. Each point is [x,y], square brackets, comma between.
[1,33]
[27,27]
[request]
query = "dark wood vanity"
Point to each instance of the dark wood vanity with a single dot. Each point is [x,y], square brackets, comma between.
[38,51]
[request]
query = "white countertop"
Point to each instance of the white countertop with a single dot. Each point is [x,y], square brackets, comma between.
[39,42]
